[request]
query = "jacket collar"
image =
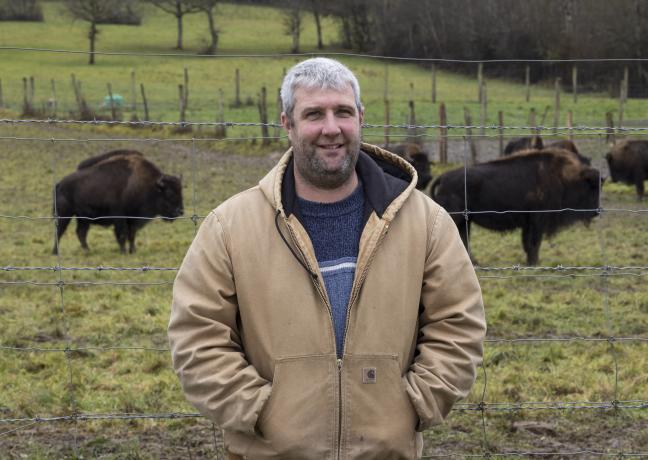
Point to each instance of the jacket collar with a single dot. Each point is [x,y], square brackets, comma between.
[387,180]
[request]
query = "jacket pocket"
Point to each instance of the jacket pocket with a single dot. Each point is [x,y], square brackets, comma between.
[379,421]
[299,419]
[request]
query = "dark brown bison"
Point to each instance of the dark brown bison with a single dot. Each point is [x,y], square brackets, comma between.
[119,188]
[532,144]
[628,163]
[523,143]
[417,157]
[517,192]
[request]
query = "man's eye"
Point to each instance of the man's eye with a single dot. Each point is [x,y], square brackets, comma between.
[345,113]
[312,115]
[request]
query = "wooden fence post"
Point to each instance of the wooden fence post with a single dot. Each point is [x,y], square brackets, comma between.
[412,131]
[113,112]
[527,82]
[434,84]
[181,95]
[221,130]
[145,102]
[443,135]
[1,96]
[570,125]
[480,77]
[609,122]
[237,83]
[556,106]
[263,116]
[32,91]
[54,102]
[186,88]
[469,136]
[532,121]
[544,118]
[623,92]
[386,128]
[277,130]
[500,119]
[575,83]
[483,117]
[133,92]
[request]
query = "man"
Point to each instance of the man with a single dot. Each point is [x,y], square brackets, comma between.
[331,312]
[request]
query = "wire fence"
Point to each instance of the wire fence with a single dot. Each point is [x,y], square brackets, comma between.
[60,270]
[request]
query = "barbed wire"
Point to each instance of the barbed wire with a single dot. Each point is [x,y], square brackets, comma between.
[314,54]
[183,124]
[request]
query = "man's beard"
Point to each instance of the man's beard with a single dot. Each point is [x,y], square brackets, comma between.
[314,171]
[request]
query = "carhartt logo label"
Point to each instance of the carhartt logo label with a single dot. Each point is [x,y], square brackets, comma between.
[368,375]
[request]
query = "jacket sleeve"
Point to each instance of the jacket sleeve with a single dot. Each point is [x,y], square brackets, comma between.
[206,348]
[451,325]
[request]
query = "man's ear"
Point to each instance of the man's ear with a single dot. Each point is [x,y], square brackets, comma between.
[361,115]
[285,122]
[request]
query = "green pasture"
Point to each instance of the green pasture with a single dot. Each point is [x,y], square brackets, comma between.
[252,31]
[114,321]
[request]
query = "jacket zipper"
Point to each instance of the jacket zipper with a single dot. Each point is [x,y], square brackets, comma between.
[318,287]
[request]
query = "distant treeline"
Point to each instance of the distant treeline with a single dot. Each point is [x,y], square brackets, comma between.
[500,29]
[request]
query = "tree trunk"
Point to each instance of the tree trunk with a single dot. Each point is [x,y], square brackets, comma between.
[178,16]
[318,27]
[92,35]
[212,32]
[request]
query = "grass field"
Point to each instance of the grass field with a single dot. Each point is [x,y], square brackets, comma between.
[548,357]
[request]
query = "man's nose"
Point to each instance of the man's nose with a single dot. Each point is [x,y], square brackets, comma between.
[331,126]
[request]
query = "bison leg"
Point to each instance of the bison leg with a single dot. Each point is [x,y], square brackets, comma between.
[531,240]
[61,226]
[639,186]
[132,229]
[120,234]
[82,232]
[463,226]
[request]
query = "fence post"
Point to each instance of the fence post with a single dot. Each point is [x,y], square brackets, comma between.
[181,94]
[133,92]
[570,125]
[54,102]
[186,88]
[527,82]
[32,91]
[237,83]
[386,129]
[500,119]
[484,109]
[544,118]
[609,122]
[623,91]
[1,96]
[113,113]
[144,101]
[221,131]
[575,83]
[443,135]
[277,130]
[480,77]
[557,106]
[263,116]
[471,141]
[433,83]
[532,121]
[412,131]
[27,110]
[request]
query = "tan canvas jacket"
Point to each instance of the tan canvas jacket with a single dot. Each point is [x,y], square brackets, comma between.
[252,337]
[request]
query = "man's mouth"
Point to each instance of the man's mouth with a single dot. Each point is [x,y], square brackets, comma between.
[330,146]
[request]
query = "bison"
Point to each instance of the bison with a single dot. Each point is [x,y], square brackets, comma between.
[517,191]
[628,163]
[532,144]
[120,188]
[523,143]
[417,157]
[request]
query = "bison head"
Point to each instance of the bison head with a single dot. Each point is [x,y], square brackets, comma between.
[422,165]
[168,197]
[617,172]
[582,193]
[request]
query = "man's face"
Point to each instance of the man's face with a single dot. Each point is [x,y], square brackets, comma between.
[325,134]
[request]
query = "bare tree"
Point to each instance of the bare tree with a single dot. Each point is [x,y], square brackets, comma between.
[208,7]
[317,14]
[177,8]
[96,12]
[293,24]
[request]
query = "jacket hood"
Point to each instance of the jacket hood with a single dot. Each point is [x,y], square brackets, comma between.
[387,178]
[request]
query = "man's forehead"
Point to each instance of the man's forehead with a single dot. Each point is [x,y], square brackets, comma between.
[305,96]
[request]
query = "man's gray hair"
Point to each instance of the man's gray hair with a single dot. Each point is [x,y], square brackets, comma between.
[322,73]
